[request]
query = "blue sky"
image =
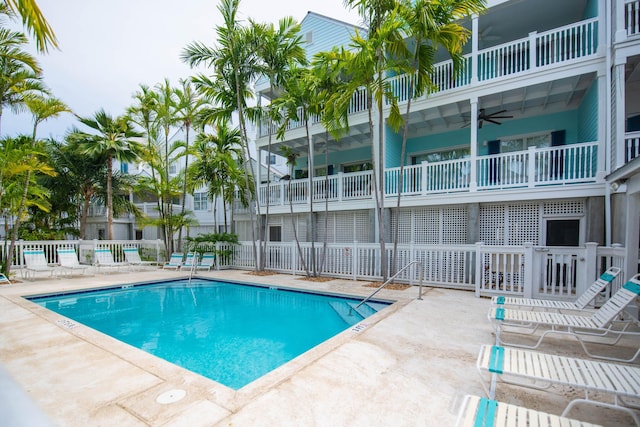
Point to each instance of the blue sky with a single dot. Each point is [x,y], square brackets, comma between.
[109,48]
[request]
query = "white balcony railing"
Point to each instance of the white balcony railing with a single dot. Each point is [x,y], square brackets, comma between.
[560,45]
[565,165]
[631,146]
[632,17]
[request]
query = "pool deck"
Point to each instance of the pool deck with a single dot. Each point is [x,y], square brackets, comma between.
[409,365]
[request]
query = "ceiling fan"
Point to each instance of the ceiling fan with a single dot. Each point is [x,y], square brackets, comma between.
[491,118]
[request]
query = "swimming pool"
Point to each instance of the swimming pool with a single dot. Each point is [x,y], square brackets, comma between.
[229,332]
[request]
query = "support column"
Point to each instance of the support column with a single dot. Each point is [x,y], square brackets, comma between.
[475,34]
[603,129]
[473,141]
[618,145]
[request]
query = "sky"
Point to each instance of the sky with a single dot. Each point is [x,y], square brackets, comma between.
[109,48]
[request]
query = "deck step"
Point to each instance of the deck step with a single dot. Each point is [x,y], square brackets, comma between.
[346,312]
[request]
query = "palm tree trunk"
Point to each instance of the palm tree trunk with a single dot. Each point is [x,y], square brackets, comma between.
[109,199]
[184,184]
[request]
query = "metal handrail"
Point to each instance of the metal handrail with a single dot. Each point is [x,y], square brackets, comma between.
[194,265]
[393,277]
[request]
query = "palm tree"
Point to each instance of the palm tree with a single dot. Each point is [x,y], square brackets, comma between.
[368,63]
[278,48]
[216,165]
[21,158]
[113,139]
[234,66]
[41,109]
[429,26]
[188,110]
[20,73]
[34,20]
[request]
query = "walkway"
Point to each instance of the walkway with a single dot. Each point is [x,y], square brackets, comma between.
[409,366]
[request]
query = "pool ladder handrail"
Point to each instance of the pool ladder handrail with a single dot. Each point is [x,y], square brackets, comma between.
[393,277]
[194,265]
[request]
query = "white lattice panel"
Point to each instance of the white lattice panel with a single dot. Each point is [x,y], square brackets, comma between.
[523,223]
[454,225]
[405,230]
[243,230]
[344,227]
[566,207]
[427,226]
[492,222]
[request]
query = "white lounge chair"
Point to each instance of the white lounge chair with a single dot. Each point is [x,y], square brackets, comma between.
[540,370]
[189,261]
[603,322]
[104,259]
[207,261]
[4,279]
[132,256]
[174,262]
[550,305]
[36,262]
[481,412]
[68,260]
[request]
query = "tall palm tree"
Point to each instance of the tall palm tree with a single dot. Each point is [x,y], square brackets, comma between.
[278,48]
[234,64]
[368,63]
[20,74]
[428,25]
[188,110]
[113,139]
[33,19]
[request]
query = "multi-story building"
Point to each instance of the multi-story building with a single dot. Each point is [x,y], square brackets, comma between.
[536,140]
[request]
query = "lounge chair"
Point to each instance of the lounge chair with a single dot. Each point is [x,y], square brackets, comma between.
[36,262]
[550,305]
[4,279]
[540,370]
[604,322]
[480,412]
[190,260]
[104,259]
[132,256]
[207,261]
[175,262]
[68,260]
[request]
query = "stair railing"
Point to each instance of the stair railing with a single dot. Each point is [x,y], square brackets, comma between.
[194,265]
[418,263]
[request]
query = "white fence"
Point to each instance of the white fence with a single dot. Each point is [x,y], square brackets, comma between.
[527,270]
[530,271]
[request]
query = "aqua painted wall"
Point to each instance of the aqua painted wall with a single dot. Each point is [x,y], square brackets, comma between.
[336,158]
[393,147]
[588,115]
[590,9]
[567,120]
[325,33]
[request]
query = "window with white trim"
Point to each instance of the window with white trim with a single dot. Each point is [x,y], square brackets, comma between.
[523,142]
[200,201]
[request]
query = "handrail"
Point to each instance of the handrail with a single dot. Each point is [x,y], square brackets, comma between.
[393,277]
[194,265]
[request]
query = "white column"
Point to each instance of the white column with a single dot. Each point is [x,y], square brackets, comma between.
[473,140]
[619,119]
[475,34]
[604,131]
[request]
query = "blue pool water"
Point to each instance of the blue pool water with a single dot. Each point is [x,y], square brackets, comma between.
[231,333]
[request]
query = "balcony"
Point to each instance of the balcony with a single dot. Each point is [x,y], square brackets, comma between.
[631,146]
[564,45]
[535,167]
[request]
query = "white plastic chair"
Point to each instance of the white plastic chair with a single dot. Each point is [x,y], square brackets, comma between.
[104,259]
[68,260]
[175,262]
[36,262]
[132,256]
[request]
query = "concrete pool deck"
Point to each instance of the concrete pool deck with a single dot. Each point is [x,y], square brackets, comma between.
[409,365]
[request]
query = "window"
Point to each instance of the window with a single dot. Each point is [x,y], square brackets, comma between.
[563,232]
[522,143]
[124,167]
[439,156]
[101,234]
[275,233]
[357,167]
[200,201]
[173,169]
[309,37]
[270,159]
[138,234]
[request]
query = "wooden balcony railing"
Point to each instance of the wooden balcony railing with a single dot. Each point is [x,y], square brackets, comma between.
[632,17]
[631,146]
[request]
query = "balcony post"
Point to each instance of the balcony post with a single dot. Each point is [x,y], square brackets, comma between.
[603,128]
[475,34]
[424,165]
[473,170]
[533,50]
[531,167]
[618,75]
[340,186]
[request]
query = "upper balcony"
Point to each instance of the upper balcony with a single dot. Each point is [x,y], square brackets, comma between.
[561,46]
[532,168]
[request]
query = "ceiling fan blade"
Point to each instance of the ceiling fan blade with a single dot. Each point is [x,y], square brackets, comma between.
[491,116]
[493,121]
[479,124]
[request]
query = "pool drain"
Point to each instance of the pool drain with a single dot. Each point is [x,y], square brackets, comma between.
[171,396]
